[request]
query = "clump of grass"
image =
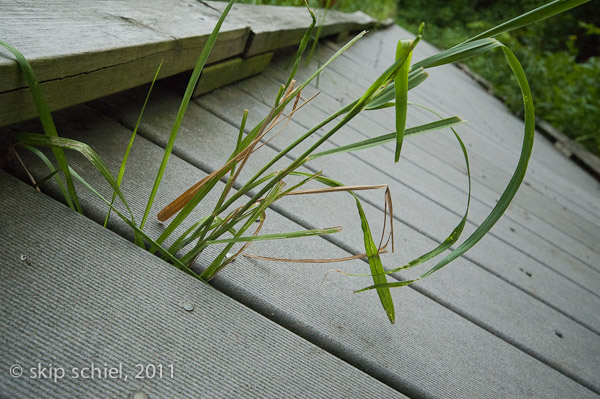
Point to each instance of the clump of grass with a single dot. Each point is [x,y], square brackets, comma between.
[229,226]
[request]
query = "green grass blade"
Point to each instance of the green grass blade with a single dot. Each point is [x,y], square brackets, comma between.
[395,284]
[482,43]
[183,107]
[83,149]
[387,138]
[384,99]
[456,233]
[377,271]
[52,170]
[46,178]
[47,122]
[538,14]
[302,46]
[458,53]
[130,145]
[238,144]
[519,174]
[404,52]
[277,236]
[511,188]
[137,230]
[318,35]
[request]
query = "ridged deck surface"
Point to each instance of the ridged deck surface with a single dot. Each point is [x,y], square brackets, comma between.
[518,316]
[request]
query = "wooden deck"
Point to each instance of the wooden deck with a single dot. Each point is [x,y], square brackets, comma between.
[518,316]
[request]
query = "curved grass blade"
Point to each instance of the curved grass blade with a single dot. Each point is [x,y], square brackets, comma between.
[387,138]
[456,233]
[511,188]
[47,123]
[183,107]
[458,53]
[519,174]
[318,35]
[538,14]
[87,152]
[49,165]
[130,145]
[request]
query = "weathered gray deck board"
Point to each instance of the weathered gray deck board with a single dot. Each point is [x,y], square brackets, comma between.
[81,50]
[275,27]
[326,312]
[85,295]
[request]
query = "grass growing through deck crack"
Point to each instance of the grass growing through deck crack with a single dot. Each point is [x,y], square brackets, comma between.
[232,220]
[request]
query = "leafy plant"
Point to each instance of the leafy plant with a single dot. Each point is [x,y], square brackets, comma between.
[229,226]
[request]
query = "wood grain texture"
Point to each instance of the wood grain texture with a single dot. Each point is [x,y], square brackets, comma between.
[275,27]
[83,50]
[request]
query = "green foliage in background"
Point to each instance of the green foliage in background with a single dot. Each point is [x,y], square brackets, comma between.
[377,8]
[561,56]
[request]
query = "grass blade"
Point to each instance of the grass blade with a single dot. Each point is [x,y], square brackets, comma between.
[387,138]
[302,46]
[277,236]
[511,188]
[458,53]
[47,122]
[538,14]
[183,107]
[86,151]
[519,174]
[404,52]
[50,167]
[377,271]
[318,34]
[130,145]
